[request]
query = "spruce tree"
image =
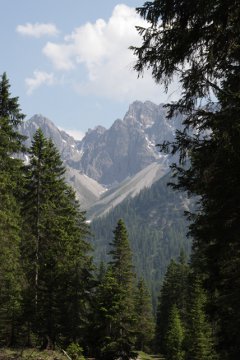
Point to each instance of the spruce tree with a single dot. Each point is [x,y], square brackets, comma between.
[174,336]
[120,339]
[102,336]
[174,292]
[75,272]
[199,334]
[11,278]
[55,254]
[144,318]
[199,43]
[122,268]
[121,255]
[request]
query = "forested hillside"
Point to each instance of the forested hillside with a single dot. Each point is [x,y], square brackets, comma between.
[157,230]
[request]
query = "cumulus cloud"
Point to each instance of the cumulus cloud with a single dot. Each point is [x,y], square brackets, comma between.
[60,55]
[39,78]
[37,30]
[102,48]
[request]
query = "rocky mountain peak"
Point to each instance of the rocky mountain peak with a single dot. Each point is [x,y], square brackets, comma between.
[145,113]
[65,143]
[111,155]
[91,136]
[99,129]
[41,119]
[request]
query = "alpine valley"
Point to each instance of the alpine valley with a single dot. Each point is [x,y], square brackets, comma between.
[119,173]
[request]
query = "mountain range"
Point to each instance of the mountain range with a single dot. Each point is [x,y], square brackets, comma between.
[119,173]
[123,158]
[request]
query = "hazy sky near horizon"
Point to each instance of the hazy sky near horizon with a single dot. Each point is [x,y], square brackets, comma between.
[69,60]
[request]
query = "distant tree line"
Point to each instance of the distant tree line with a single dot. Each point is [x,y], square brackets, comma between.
[157,231]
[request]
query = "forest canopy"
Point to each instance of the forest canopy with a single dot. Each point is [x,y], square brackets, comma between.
[199,42]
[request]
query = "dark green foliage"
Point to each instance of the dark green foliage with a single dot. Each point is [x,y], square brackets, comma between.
[199,335]
[156,227]
[75,351]
[115,315]
[144,327]
[174,336]
[11,277]
[200,43]
[56,263]
[10,117]
[122,343]
[105,313]
[121,258]
[182,324]
[203,35]
[174,292]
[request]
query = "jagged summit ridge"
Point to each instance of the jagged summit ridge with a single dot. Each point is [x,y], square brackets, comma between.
[129,145]
[111,155]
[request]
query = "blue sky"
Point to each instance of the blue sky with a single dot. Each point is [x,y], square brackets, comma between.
[69,60]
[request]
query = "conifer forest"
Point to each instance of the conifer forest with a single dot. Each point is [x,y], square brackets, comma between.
[54,295]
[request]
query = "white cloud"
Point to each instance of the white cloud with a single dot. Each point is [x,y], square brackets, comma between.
[60,55]
[37,30]
[39,78]
[103,49]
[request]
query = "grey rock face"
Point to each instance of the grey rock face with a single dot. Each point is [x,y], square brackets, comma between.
[88,191]
[129,145]
[128,188]
[111,155]
[65,143]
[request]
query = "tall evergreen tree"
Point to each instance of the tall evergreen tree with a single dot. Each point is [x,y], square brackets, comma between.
[121,254]
[199,335]
[144,317]
[55,254]
[103,340]
[11,117]
[174,292]
[199,42]
[122,268]
[11,279]
[174,336]
[117,300]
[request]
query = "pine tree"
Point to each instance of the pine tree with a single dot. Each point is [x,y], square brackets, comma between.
[55,254]
[106,307]
[199,43]
[174,292]
[11,278]
[118,309]
[75,271]
[144,317]
[121,262]
[199,335]
[174,336]
[11,117]
[122,268]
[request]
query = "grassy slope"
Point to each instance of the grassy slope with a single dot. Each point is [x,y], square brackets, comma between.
[144,356]
[34,354]
[30,354]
